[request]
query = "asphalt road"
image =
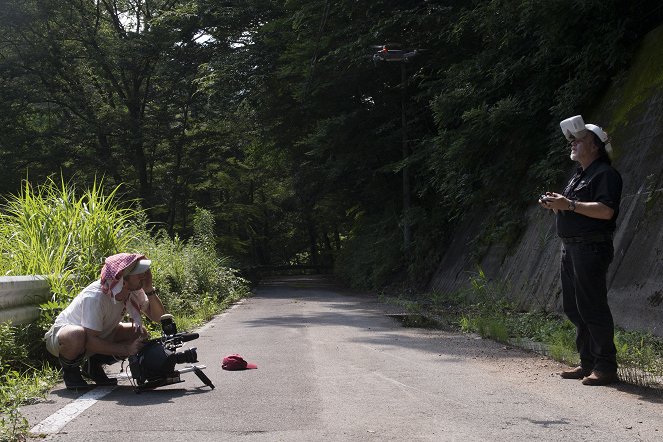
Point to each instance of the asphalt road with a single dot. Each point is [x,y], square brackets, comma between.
[333,366]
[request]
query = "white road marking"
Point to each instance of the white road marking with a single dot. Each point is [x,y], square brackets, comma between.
[56,421]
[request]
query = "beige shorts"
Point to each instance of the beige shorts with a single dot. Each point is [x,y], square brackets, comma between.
[52,343]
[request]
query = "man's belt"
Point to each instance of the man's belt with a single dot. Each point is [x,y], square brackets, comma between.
[593,238]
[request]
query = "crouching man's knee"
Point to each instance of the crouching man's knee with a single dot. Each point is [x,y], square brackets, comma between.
[67,341]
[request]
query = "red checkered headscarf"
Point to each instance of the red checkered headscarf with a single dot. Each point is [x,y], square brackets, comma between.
[112,272]
[112,280]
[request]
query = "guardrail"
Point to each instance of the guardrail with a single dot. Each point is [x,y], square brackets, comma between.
[20,297]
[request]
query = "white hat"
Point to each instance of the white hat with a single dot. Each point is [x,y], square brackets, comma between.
[603,136]
[142,266]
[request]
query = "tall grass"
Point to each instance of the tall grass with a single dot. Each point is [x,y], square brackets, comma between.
[50,230]
[483,308]
[193,281]
[18,384]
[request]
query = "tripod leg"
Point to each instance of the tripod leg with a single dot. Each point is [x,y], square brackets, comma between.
[203,377]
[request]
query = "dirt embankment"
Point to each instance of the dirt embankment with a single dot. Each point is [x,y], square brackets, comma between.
[632,113]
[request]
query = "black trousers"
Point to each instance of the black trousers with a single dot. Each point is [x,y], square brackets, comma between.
[585,299]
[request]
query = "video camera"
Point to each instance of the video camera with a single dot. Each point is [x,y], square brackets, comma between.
[154,365]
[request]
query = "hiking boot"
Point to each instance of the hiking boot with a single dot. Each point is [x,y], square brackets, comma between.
[601,378]
[575,373]
[71,374]
[93,369]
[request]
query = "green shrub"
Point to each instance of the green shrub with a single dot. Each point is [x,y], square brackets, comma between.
[371,256]
[17,389]
[561,344]
[12,352]
[191,279]
[483,309]
[639,356]
[50,231]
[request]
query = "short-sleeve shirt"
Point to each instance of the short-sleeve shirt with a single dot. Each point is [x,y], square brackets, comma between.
[600,182]
[96,311]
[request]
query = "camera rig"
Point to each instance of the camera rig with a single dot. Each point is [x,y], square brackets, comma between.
[154,365]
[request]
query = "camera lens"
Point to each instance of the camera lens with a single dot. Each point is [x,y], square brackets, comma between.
[186,356]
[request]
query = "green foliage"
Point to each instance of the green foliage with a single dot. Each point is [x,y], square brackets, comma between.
[491,327]
[80,232]
[54,232]
[50,230]
[12,424]
[192,280]
[124,92]
[18,385]
[273,117]
[645,76]
[12,352]
[640,356]
[18,389]
[494,329]
[356,262]
[487,312]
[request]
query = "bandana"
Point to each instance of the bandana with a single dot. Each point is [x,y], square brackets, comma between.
[112,281]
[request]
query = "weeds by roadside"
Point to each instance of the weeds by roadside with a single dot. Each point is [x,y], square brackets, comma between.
[483,308]
[50,231]
[20,381]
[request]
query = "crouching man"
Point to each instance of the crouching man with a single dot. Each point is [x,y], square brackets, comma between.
[89,332]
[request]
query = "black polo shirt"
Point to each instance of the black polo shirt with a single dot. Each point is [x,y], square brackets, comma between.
[600,182]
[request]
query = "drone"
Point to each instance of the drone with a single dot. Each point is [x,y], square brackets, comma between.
[389,52]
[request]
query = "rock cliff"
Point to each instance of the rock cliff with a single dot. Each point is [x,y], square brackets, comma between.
[632,114]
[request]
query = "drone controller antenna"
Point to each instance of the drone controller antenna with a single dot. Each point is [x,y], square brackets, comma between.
[168,325]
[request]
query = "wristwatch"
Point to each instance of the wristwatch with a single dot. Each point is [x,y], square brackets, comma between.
[152,292]
[572,205]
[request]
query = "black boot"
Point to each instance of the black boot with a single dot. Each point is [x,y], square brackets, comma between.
[71,373]
[92,368]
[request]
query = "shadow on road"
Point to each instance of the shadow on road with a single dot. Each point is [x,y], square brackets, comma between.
[126,395]
[385,324]
[652,395]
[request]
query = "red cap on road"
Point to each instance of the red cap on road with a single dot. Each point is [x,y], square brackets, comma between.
[236,362]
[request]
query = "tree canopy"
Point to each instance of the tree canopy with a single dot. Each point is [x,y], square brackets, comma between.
[274,115]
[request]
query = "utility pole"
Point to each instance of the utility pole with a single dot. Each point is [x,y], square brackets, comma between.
[407,235]
[398,55]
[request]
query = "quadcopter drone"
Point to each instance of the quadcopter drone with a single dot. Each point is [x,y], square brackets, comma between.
[391,52]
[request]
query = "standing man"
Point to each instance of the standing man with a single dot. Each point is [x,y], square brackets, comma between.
[586,212]
[89,333]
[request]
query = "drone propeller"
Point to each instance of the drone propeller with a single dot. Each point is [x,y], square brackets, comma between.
[387,46]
